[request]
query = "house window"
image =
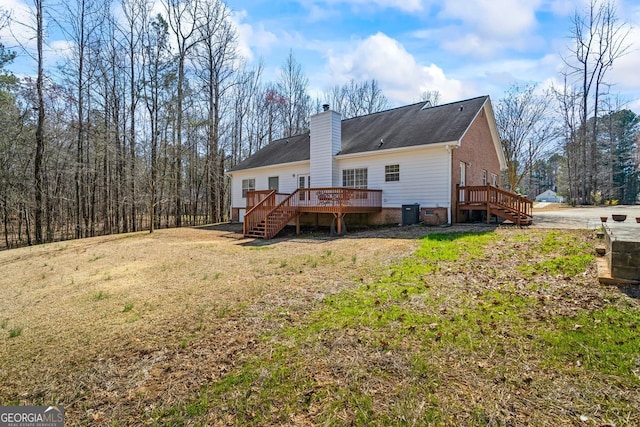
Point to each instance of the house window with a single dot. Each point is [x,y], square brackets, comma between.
[274,183]
[355,178]
[484,177]
[392,173]
[494,179]
[248,185]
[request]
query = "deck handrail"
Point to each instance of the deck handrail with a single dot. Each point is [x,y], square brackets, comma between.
[274,210]
[273,224]
[339,197]
[490,195]
[258,212]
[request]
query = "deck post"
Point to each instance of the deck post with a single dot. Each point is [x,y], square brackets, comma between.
[457,203]
[488,201]
[339,218]
[298,224]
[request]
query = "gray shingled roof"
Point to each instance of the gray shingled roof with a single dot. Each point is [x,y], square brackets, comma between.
[406,126]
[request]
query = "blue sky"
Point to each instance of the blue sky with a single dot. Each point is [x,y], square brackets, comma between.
[461,48]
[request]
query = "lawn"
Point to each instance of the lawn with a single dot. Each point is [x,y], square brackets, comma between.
[400,326]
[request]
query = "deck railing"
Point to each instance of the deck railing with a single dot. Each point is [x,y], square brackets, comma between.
[338,198]
[259,204]
[274,210]
[490,196]
[255,197]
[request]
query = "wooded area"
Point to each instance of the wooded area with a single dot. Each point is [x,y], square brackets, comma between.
[142,120]
[579,139]
[135,130]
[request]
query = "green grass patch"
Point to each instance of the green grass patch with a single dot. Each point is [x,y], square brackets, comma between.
[569,256]
[606,340]
[383,352]
[96,257]
[268,390]
[15,332]
[99,296]
[568,266]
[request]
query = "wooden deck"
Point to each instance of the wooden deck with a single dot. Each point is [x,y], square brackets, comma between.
[268,211]
[497,202]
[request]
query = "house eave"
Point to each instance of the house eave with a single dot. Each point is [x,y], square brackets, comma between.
[398,150]
[267,167]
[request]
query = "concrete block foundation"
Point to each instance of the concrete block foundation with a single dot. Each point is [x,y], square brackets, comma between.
[622,245]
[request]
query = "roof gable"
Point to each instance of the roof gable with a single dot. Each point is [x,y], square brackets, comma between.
[411,125]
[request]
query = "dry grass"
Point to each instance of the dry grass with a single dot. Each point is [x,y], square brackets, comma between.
[120,324]
[120,329]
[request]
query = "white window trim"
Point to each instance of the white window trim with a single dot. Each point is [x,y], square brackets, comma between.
[364,173]
[248,187]
[394,174]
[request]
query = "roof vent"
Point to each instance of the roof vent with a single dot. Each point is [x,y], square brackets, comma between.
[380,143]
[427,105]
[325,107]
[461,107]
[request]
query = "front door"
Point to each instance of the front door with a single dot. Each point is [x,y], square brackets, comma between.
[304,181]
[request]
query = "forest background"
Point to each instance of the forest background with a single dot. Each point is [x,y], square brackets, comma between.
[135,128]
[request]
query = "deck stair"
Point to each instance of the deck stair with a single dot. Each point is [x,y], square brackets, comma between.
[512,216]
[268,217]
[268,211]
[495,201]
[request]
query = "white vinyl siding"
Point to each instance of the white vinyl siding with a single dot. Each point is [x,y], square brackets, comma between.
[424,176]
[325,140]
[287,180]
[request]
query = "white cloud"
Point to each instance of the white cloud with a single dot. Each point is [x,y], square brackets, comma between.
[501,18]
[252,37]
[20,32]
[401,78]
[402,5]
[484,28]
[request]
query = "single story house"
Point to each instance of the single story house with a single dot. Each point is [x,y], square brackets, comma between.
[441,159]
[549,196]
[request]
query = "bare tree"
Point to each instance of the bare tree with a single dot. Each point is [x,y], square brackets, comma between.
[184,23]
[432,96]
[526,130]
[38,160]
[293,86]
[156,59]
[355,99]
[567,101]
[599,39]
[136,15]
[216,61]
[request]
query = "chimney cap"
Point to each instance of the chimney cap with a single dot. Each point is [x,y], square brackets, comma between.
[325,107]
